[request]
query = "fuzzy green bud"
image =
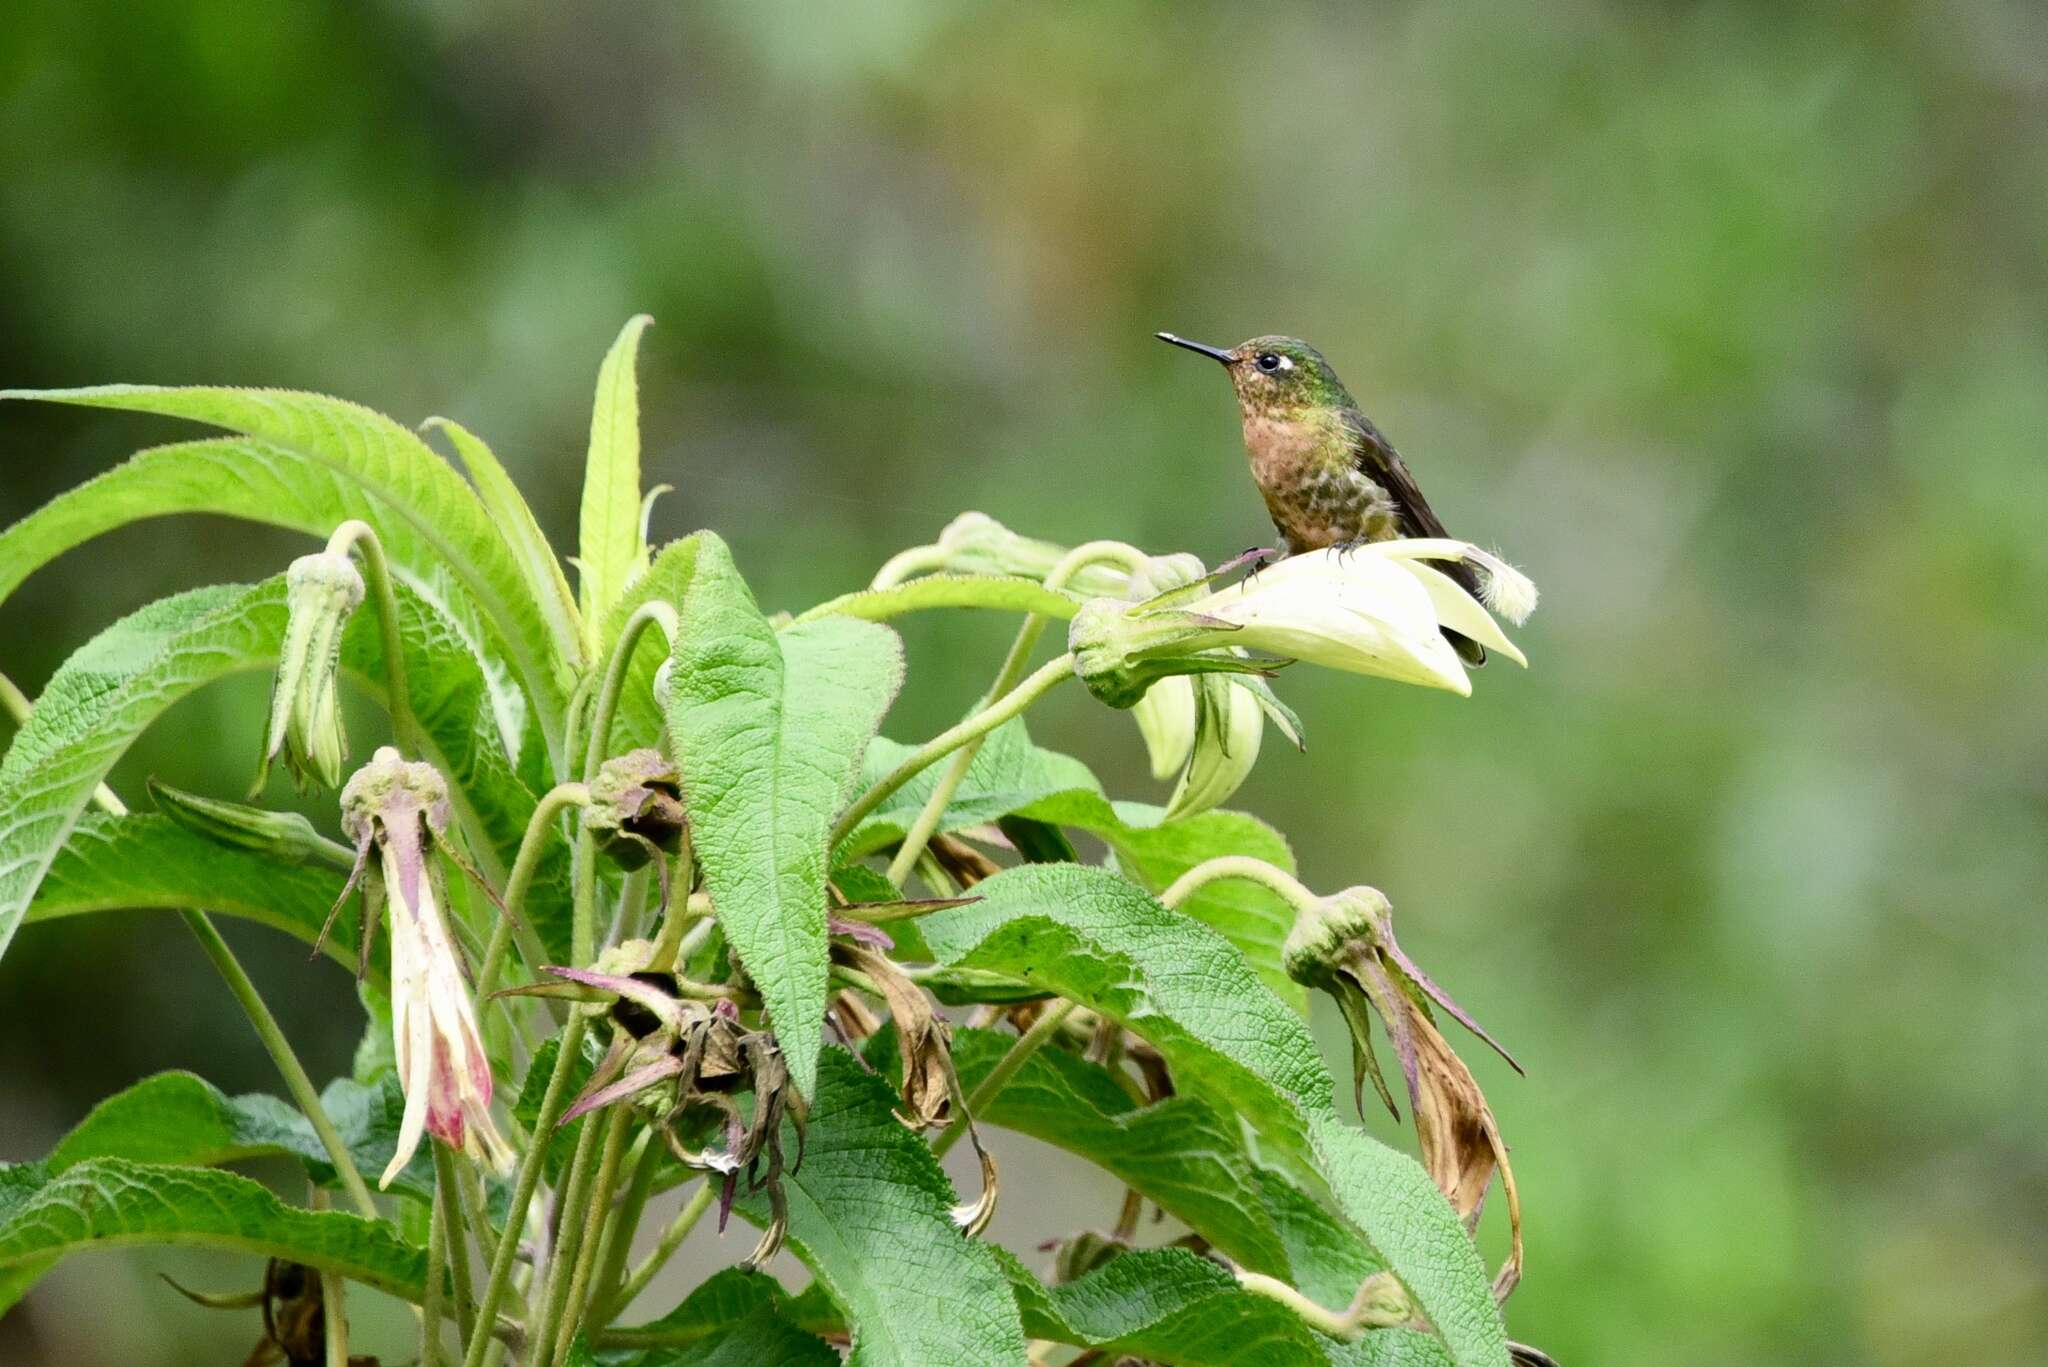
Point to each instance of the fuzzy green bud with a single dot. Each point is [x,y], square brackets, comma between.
[636,803]
[1329,937]
[284,836]
[321,591]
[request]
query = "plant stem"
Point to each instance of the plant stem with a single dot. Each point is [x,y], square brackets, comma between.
[552,1103]
[360,534]
[618,1235]
[651,613]
[448,1190]
[1244,866]
[437,1258]
[568,1241]
[934,809]
[295,1079]
[1048,1022]
[904,564]
[975,727]
[598,1204]
[538,828]
[671,1240]
[333,1297]
[1381,1302]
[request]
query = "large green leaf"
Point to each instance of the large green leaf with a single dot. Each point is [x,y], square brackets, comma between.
[768,731]
[1168,1306]
[124,678]
[115,1203]
[869,1215]
[178,1118]
[113,863]
[1095,938]
[1182,1153]
[732,1319]
[1011,776]
[514,516]
[402,471]
[610,549]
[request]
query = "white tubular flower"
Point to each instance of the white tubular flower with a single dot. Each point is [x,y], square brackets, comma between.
[321,592]
[1230,725]
[399,811]
[1166,719]
[1377,609]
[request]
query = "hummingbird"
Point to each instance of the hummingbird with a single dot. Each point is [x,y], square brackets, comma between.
[1329,477]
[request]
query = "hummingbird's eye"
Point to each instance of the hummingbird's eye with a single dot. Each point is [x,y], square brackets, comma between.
[1269,362]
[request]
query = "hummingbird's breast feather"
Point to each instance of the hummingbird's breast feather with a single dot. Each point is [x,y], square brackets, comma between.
[1314,491]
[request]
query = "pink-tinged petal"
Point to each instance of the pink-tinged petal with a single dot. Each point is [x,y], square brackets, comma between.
[665,1007]
[637,1080]
[860,932]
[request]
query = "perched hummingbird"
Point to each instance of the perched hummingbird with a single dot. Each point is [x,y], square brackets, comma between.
[1328,477]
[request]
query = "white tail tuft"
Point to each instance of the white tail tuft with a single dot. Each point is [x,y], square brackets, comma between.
[1503,588]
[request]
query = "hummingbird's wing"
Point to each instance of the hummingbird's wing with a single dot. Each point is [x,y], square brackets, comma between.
[1379,462]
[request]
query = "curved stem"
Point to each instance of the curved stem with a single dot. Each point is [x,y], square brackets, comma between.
[934,809]
[651,613]
[975,727]
[1048,1023]
[294,1072]
[1380,1303]
[357,533]
[512,920]
[552,1103]
[904,564]
[671,1240]
[1242,866]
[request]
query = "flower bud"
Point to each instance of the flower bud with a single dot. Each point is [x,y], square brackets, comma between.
[321,591]
[286,837]
[975,543]
[1166,719]
[1229,725]
[636,807]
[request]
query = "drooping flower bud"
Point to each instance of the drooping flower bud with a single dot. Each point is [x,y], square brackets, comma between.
[636,807]
[399,812]
[321,591]
[284,836]
[1345,946]
[975,543]
[1229,725]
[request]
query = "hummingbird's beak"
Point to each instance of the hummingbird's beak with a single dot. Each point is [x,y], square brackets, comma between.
[1214,353]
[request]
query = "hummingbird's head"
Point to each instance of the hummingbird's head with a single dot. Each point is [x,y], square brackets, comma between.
[1274,374]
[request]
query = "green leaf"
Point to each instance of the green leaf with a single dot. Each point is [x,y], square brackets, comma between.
[1011,776]
[143,859]
[768,731]
[869,1215]
[399,469]
[733,1319]
[998,592]
[1093,937]
[1169,1306]
[178,1118]
[1182,1154]
[115,1203]
[123,679]
[610,549]
[514,516]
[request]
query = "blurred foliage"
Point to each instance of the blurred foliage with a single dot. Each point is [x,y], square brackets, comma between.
[1729,322]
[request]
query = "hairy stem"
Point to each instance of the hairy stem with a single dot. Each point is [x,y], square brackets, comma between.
[448,1192]
[513,921]
[1048,1023]
[1010,705]
[671,1240]
[920,832]
[553,1102]
[437,1258]
[1242,866]
[598,1204]
[618,1235]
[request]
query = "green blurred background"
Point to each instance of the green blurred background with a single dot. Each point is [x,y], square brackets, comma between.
[1728,322]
